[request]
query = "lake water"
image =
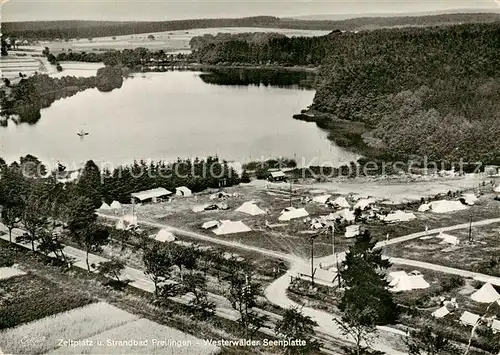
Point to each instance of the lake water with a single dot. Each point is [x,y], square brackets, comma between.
[162,116]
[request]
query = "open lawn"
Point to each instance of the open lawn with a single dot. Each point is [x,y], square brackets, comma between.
[141,337]
[75,324]
[482,256]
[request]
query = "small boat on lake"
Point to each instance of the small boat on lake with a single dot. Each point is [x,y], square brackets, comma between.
[82,133]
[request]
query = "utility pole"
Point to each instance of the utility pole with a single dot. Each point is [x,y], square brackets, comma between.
[333,243]
[470,227]
[290,192]
[312,260]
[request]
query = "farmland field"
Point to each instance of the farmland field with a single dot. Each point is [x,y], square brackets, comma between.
[170,41]
[75,324]
[27,298]
[141,337]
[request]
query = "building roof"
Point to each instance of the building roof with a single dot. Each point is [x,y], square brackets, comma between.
[147,194]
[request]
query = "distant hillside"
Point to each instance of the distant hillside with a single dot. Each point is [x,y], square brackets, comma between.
[341,17]
[86,29]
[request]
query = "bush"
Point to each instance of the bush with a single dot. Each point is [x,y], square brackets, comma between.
[452,283]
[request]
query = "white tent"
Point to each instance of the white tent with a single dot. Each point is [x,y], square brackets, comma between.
[448,239]
[399,216]
[445,206]
[486,294]
[292,213]
[364,203]
[495,326]
[401,281]
[469,199]
[120,225]
[164,235]
[250,208]
[497,189]
[231,227]
[105,206]
[441,312]
[183,191]
[130,219]
[346,214]
[199,208]
[351,231]
[116,205]
[424,207]
[210,224]
[468,318]
[341,202]
[322,199]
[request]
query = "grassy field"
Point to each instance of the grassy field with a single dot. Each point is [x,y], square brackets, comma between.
[31,297]
[294,237]
[483,255]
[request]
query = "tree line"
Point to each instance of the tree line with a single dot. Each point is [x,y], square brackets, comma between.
[90,29]
[31,94]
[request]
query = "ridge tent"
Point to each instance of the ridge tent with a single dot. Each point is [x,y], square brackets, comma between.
[340,202]
[495,326]
[250,208]
[292,213]
[322,199]
[441,312]
[448,239]
[164,235]
[231,227]
[486,294]
[210,224]
[401,281]
[445,206]
[183,191]
[115,205]
[346,214]
[351,231]
[468,199]
[424,207]
[364,203]
[468,318]
[399,216]
[105,206]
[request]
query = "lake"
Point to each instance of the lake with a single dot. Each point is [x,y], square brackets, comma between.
[162,116]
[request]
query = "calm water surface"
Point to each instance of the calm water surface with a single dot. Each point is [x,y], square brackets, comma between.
[162,116]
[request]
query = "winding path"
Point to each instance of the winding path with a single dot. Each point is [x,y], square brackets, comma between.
[276,292]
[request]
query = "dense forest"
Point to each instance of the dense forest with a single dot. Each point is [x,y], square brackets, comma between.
[92,29]
[438,86]
[117,184]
